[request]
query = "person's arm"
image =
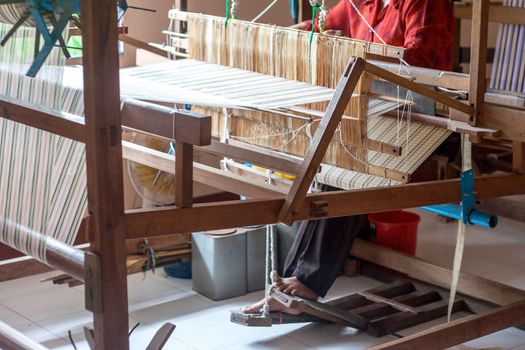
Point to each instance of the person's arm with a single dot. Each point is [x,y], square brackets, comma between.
[429,28]
[337,19]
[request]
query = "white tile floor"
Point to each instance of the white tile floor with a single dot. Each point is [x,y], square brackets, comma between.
[46,312]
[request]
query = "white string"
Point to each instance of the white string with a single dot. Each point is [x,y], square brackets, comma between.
[268,8]
[348,151]
[366,22]
[294,133]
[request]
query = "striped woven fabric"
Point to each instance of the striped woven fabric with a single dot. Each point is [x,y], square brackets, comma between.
[508,71]
[418,140]
[42,176]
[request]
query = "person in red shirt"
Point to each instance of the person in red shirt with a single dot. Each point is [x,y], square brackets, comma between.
[425,29]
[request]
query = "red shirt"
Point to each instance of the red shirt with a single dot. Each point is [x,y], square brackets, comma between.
[424,27]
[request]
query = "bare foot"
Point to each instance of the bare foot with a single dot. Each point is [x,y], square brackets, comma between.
[275,306]
[292,286]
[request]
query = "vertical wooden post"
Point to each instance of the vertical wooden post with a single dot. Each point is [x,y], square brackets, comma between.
[104,169]
[184,175]
[518,157]
[478,55]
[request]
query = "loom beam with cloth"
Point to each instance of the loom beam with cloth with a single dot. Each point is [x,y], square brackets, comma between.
[110,225]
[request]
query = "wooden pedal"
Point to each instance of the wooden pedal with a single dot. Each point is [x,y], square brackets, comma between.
[250,320]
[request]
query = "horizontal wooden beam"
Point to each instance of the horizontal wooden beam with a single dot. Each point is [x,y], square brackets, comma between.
[448,80]
[47,119]
[254,155]
[497,13]
[21,267]
[451,124]
[201,173]
[473,286]
[420,89]
[169,220]
[165,122]
[457,332]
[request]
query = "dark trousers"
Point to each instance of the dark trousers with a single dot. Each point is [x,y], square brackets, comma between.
[320,249]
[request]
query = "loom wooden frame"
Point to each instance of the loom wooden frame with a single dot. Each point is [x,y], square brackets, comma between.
[110,225]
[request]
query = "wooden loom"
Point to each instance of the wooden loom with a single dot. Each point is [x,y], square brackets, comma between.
[103,269]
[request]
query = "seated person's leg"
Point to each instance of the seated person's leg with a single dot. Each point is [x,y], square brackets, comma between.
[316,259]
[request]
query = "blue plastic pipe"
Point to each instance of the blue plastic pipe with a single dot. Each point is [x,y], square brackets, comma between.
[453,211]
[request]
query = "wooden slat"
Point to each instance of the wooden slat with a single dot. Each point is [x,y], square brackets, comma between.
[56,122]
[380,310]
[420,89]
[476,287]
[460,331]
[404,320]
[201,173]
[104,171]
[321,140]
[478,56]
[169,220]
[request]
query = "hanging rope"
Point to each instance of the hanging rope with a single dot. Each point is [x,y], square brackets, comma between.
[271,264]
[466,154]
[231,11]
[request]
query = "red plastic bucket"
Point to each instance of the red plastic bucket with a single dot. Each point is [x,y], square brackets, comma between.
[396,230]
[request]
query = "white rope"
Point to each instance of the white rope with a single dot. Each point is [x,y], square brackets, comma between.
[234,8]
[323,15]
[263,12]
[466,152]
[225,135]
[366,22]
[270,276]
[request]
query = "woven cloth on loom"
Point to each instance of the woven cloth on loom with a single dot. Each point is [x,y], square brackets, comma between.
[184,81]
[508,71]
[42,176]
[423,140]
